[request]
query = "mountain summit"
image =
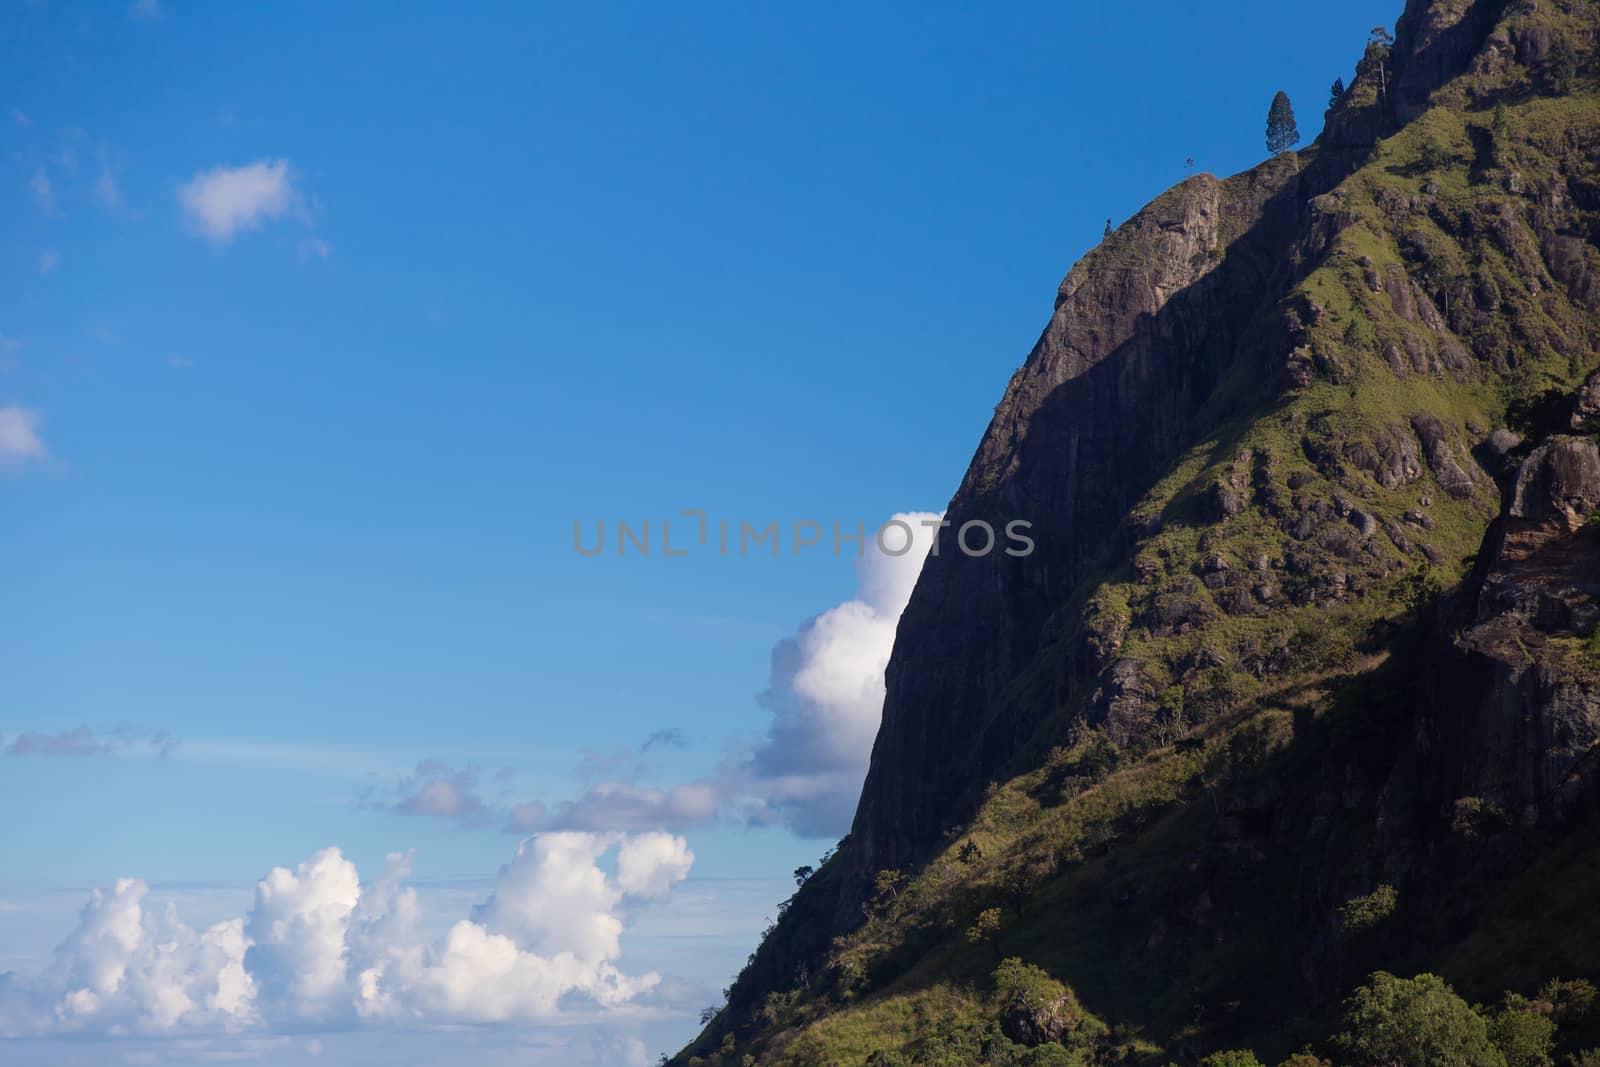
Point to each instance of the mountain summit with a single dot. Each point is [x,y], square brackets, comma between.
[1302,680]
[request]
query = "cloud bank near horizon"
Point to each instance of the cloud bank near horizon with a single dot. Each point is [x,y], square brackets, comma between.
[320,950]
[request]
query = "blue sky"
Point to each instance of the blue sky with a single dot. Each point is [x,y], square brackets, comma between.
[321,325]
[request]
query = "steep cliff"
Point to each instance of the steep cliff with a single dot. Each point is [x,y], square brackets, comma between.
[1512,720]
[1201,311]
[1222,745]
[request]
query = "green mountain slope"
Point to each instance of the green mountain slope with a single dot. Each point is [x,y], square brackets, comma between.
[1303,679]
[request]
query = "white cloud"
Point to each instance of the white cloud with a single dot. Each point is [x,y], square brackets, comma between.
[21,118]
[826,695]
[551,930]
[48,260]
[225,200]
[147,9]
[19,437]
[297,933]
[648,865]
[123,970]
[319,950]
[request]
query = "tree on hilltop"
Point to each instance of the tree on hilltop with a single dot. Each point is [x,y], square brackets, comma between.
[1282,132]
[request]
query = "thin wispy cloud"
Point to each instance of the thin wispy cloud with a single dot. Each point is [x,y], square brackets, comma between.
[613,801]
[20,117]
[148,10]
[82,741]
[20,443]
[44,192]
[106,191]
[438,790]
[621,805]
[224,201]
[315,248]
[48,261]
[666,739]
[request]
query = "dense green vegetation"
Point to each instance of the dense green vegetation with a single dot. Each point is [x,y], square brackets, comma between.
[1386,1022]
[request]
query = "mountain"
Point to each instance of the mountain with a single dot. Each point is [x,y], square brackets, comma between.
[1302,679]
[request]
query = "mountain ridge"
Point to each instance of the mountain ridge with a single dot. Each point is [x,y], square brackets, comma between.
[1266,428]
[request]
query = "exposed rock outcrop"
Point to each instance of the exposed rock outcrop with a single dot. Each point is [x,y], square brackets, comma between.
[1514,712]
[1586,410]
[1040,1024]
[1146,328]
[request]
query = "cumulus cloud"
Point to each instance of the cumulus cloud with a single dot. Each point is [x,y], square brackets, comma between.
[82,741]
[20,443]
[318,949]
[126,970]
[225,200]
[649,865]
[297,932]
[826,694]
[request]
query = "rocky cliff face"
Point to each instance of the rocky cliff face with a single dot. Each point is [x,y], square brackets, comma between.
[1143,332]
[1513,716]
[1215,731]
[1125,379]
[1482,752]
